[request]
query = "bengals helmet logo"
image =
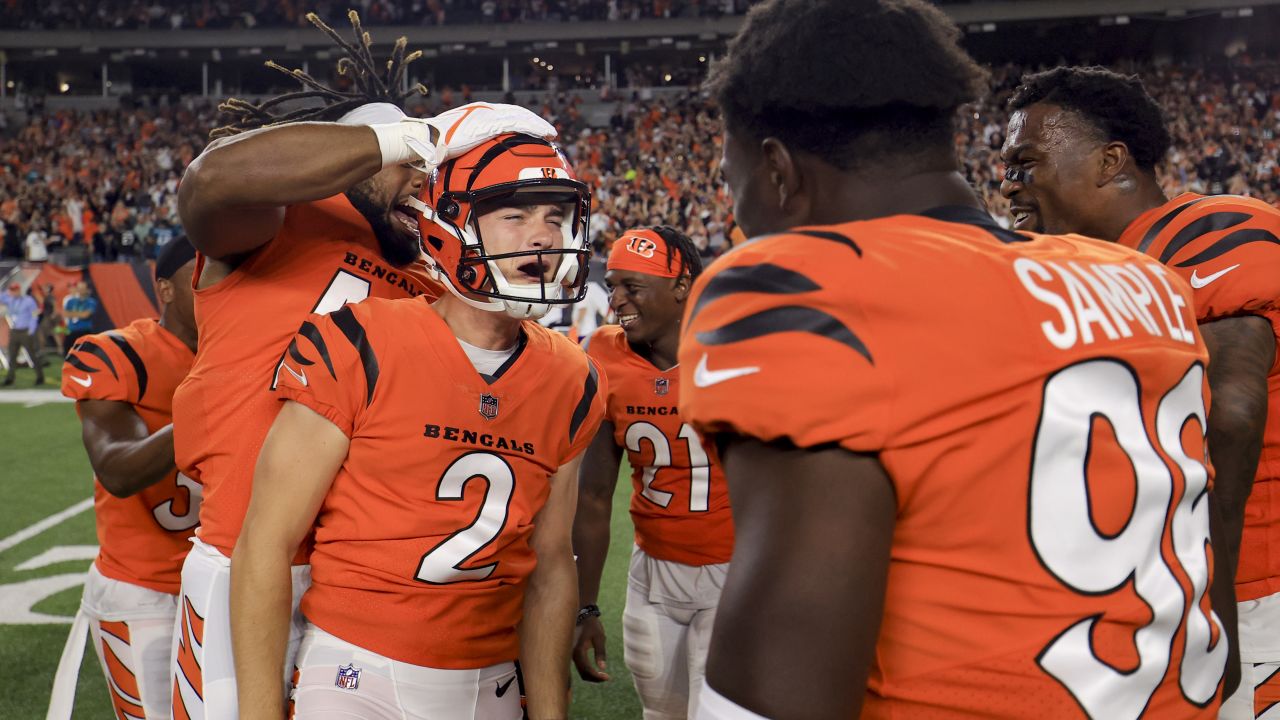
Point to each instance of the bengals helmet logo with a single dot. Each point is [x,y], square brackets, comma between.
[549,173]
[644,247]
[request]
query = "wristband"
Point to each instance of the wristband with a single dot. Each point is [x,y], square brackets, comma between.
[393,141]
[586,612]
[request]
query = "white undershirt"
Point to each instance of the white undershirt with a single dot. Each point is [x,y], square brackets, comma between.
[485,361]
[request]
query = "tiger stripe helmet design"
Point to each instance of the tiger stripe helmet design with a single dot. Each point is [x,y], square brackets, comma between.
[500,169]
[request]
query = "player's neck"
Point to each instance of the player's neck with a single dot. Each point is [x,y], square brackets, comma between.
[170,321]
[662,353]
[864,197]
[481,328]
[1128,208]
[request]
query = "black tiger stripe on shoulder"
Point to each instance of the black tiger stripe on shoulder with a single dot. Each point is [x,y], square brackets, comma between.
[1158,227]
[139,368]
[95,350]
[309,331]
[589,388]
[762,278]
[832,236]
[787,318]
[355,334]
[1229,243]
[1213,222]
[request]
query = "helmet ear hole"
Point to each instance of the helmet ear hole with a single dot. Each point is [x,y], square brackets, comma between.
[448,208]
[435,242]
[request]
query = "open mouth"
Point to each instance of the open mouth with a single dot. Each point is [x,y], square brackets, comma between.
[532,271]
[626,320]
[405,217]
[1023,217]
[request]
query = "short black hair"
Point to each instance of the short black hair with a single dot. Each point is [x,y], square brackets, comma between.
[173,255]
[847,79]
[682,245]
[1118,106]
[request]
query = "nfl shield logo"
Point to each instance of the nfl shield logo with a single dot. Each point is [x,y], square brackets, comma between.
[488,406]
[661,386]
[348,677]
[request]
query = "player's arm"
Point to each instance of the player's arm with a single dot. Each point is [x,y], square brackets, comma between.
[126,457]
[596,483]
[1241,353]
[297,464]
[796,628]
[232,198]
[550,599]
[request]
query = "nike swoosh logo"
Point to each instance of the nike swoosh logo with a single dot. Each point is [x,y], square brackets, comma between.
[702,377]
[502,689]
[1198,282]
[302,378]
[85,382]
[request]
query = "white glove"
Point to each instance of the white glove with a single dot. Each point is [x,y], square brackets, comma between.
[427,143]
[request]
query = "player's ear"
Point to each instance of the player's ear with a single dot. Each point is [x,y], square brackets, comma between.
[1114,164]
[784,174]
[164,291]
[680,290]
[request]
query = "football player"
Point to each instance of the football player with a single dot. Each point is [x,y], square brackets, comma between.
[966,464]
[435,448]
[123,382]
[1081,156]
[290,218]
[680,503]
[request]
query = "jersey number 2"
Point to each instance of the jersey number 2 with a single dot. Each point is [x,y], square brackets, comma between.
[442,564]
[700,466]
[1092,562]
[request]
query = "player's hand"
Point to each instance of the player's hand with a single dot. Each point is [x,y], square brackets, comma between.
[589,638]
[456,131]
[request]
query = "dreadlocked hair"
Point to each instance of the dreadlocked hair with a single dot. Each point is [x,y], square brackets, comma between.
[371,85]
[683,246]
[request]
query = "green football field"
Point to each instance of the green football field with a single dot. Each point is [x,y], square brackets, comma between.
[44,471]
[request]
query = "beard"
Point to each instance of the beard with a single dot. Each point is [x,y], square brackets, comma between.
[397,248]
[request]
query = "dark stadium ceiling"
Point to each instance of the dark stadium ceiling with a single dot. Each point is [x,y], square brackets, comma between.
[973,16]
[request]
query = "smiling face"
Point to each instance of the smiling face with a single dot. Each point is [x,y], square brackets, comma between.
[647,306]
[1054,155]
[381,200]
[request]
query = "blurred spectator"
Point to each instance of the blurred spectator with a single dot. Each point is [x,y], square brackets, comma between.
[46,327]
[77,310]
[245,14]
[22,312]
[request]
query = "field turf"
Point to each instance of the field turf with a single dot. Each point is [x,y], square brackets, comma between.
[43,471]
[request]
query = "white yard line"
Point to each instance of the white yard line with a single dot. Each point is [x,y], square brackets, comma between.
[31,531]
[32,398]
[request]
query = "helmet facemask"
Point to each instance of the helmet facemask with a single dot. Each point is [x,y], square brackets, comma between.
[472,271]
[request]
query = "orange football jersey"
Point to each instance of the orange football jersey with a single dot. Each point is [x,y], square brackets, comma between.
[324,256]
[1228,248]
[422,544]
[680,502]
[1038,403]
[142,539]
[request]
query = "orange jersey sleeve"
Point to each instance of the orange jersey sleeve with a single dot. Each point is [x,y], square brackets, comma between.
[1038,404]
[1228,249]
[324,256]
[142,538]
[326,348]
[427,523]
[680,500]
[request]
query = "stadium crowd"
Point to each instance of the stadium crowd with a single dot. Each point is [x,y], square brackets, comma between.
[109,179]
[246,14]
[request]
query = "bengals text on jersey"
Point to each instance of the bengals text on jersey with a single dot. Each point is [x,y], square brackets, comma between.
[427,523]
[680,502]
[324,256]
